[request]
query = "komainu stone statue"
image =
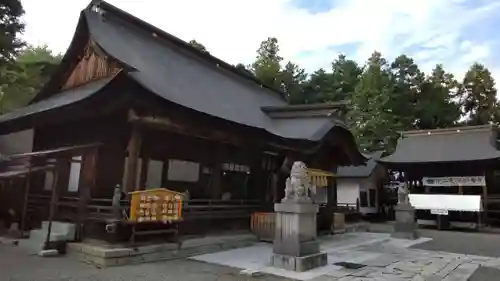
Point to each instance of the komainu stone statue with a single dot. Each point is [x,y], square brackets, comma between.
[298,186]
[295,246]
[403,194]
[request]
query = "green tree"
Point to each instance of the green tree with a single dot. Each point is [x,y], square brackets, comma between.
[266,66]
[318,86]
[345,77]
[292,79]
[435,107]
[243,69]
[334,86]
[407,79]
[371,118]
[26,76]
[478,94]
[40,58]
[11,27]
[198,46]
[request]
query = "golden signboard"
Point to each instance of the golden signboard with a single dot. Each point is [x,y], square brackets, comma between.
[155,205]
[318,177]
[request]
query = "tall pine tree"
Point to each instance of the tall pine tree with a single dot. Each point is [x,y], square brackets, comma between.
[292,79]
[435,106]
[407,79]
[371,117]
[266,66]
[11,26]
[345,77]
[478,93]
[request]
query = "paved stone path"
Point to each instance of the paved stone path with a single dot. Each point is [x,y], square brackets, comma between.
[385,259]
[398,264]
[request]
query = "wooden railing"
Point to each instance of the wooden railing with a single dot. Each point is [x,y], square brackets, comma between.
[214,209]
[263,225]
[101,209]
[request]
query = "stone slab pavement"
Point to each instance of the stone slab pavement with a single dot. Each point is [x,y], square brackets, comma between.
[384,259]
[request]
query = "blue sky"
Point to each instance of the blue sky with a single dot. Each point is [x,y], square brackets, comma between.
[312,33]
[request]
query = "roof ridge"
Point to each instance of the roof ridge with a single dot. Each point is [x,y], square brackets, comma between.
[453,130]
[145,26]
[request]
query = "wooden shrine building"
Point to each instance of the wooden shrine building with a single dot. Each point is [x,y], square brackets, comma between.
[440,164]
[167,115]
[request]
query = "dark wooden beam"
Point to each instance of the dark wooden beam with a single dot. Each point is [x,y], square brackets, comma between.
[206,132]
[167,124]
[134,148]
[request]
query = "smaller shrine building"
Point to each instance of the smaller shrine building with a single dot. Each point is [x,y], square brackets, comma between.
[442,163]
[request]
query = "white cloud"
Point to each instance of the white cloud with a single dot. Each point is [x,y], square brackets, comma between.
[233,30]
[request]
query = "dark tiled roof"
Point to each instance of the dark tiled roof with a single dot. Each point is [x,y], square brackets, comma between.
[185,77]
[58,100]
[175,71]
[446,145]
[360,171]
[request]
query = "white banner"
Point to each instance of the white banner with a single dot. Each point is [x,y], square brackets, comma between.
[454,181]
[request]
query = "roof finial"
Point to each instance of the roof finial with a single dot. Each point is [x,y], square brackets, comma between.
[96,8]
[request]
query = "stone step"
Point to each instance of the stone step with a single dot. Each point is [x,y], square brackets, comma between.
[32,246]
[35,243]
[68,229]
[41,235]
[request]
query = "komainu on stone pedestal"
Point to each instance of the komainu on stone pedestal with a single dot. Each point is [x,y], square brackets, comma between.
[298,187]
[406,225]
[295,246]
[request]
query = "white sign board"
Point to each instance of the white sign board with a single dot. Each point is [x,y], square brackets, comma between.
[454,181]
[448,202]
[439,212]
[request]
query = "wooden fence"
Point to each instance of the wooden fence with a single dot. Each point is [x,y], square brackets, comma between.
[263,225]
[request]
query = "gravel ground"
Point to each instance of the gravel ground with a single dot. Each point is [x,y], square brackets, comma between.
[16,265]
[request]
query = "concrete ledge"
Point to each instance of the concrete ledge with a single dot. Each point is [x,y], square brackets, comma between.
[104,256]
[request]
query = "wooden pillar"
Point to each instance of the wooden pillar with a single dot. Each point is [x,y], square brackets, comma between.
[257,178]
[485,203]
[217,181]
[134,149]
[274,186]
[27,186]
[460,190]
[216,188]
[89,168]
[53,200]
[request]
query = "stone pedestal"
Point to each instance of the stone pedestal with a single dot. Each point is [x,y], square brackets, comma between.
[295,246]
[406,225]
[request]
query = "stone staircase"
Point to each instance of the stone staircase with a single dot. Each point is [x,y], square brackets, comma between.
[60,232]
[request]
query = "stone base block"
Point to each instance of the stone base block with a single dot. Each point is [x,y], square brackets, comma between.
[299,264]
[292,248]
[405,231]
[405,235]
[406,226]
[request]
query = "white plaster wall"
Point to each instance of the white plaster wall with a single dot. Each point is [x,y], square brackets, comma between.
[18,142]
[347,191]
